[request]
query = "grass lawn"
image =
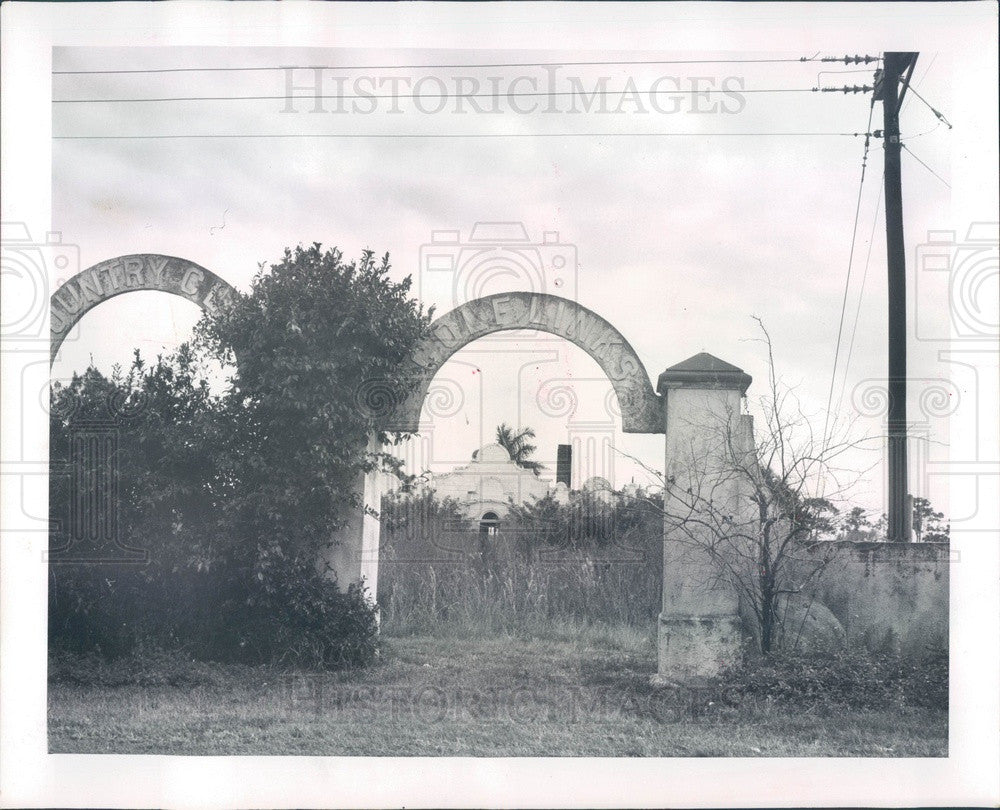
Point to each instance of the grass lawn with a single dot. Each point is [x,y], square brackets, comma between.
[562,693]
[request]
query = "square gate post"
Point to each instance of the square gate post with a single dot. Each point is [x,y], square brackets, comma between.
[699,629]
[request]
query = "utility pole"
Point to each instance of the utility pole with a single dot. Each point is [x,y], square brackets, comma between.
[894,65]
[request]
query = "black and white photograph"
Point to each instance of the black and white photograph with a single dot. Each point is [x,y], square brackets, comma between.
[500,404]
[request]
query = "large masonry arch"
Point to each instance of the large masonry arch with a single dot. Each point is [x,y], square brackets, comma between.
[132,273]
[641,408]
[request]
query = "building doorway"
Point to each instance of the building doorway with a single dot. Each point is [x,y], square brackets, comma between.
[489,525]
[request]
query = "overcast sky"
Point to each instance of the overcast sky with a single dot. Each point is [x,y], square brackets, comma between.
[678,217]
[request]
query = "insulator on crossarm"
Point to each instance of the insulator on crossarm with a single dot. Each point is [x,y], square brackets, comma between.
[846,89]
[850,60]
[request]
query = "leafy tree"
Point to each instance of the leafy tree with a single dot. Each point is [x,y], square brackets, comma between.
[516,443]
[421,515]
[313,331]
[542,523]
[162,419]
[239,494]
[623,525]
[929,526]
[856,520]
[856,526]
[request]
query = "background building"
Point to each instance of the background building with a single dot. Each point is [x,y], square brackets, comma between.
[488,483]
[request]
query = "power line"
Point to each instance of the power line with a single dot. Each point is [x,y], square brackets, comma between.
[847,282]
[480,65]
[861,295]
[842,72]
[871,243]
[468,135]
[851,60]
[922,78]
[906,101]
[934,128]
[878,203]
[589,95]
[940,117]
[938,176]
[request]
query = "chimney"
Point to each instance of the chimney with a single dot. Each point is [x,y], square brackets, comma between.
[564,458]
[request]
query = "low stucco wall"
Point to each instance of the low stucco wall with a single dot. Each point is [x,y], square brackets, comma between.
[889,595]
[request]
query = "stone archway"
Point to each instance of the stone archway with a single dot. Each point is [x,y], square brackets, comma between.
[92,287]
[641,408]
[132,273]
[698,631]
[355,556]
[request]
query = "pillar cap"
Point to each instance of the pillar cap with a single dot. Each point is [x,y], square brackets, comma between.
[704,370]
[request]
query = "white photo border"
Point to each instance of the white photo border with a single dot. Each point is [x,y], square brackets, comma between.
[30,777]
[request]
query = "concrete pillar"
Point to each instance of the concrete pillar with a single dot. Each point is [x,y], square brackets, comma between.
[354,555]
[699,629]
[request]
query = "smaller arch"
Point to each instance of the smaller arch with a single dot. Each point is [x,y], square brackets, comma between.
[641,408]
[132,273]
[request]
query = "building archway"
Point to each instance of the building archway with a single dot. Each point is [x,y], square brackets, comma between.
[489,525]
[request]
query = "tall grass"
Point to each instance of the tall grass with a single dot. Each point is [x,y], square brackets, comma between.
[514,582]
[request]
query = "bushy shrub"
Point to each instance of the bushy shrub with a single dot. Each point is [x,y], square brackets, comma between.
[234,498]
[849,677]
[312,624]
